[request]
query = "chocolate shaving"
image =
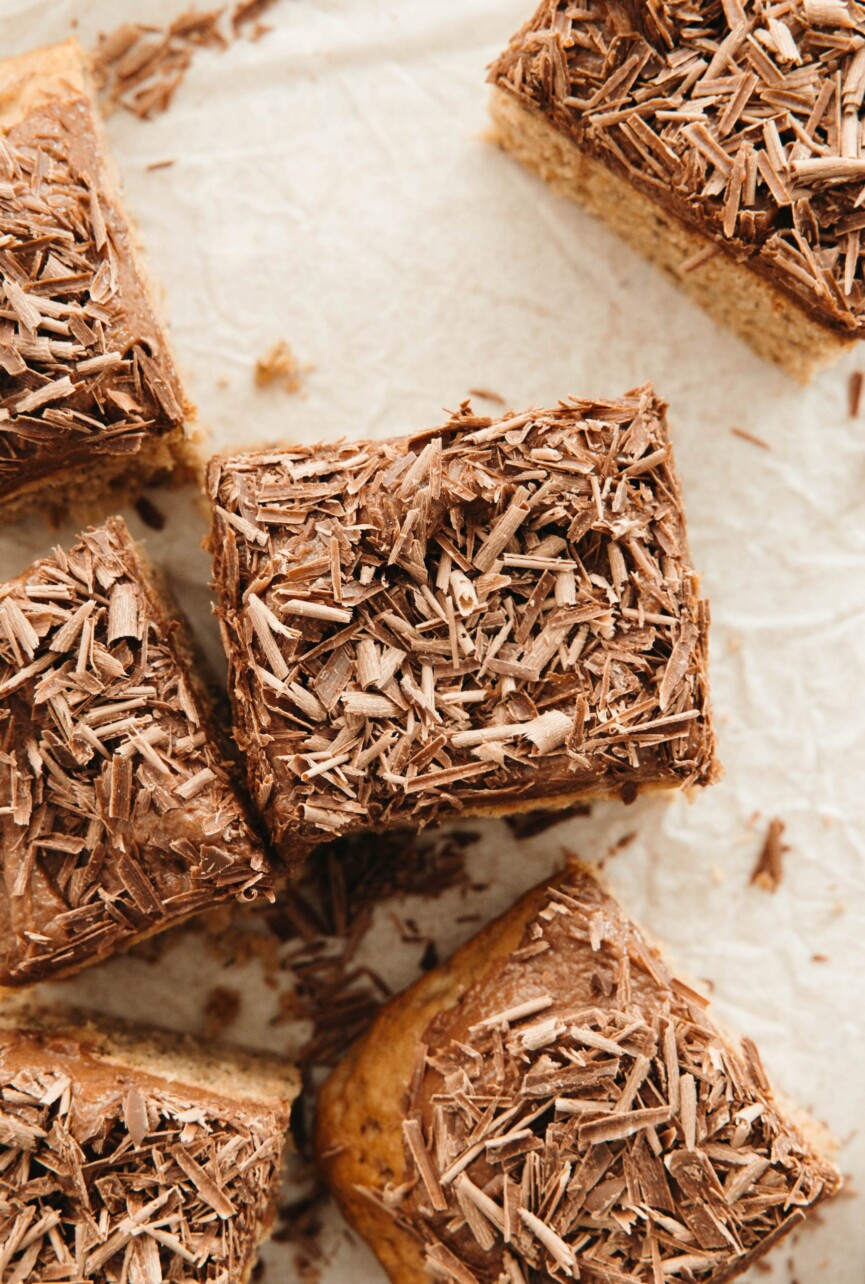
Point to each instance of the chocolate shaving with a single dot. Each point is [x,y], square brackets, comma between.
[744,435]
[325,917]
[141,67]
[854,393]
[534,823]
[769,869]
[150,513]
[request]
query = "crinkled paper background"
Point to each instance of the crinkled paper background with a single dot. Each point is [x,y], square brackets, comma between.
[333,187]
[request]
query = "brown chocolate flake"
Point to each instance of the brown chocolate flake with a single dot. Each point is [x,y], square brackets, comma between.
[324,919]
[497,614]
[534,823]
[220,1011]
[769,871]
[249,13]
[141,67]
[485,394]
[150,513]
[744,435]
[854,393]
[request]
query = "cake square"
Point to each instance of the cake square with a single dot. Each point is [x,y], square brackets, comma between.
[90,401]
[490,616]
[131,1154]
[722,140]
[119,813]
[553,1103]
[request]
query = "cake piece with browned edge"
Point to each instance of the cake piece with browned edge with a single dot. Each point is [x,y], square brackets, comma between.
[90,401]
[132,1154]
[119,812]
[488,617]
[554,1104]
[722,140]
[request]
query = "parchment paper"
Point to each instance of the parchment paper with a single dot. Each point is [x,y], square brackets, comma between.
[332,187]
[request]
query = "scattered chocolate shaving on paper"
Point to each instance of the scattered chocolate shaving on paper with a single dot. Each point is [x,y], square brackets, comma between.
[484,394]
[751,437]
[299,1223]
[250,12]
[741,120]
[325,917]
[150,513]
[854,393]
[533,823]
[769,869]
[221,1009]
[141,67]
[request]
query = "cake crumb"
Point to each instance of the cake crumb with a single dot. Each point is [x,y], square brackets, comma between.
[854,393]
[280,363]
[768,871]
[749,436]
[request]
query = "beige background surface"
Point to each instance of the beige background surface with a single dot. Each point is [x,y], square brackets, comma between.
[332,187]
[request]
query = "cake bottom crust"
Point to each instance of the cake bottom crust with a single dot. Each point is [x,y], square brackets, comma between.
[770,322]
